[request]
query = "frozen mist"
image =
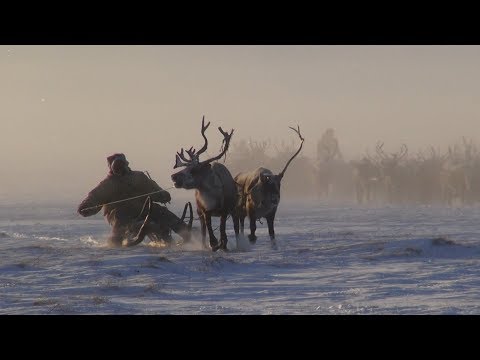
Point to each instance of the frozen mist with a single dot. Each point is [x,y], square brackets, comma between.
[331,259]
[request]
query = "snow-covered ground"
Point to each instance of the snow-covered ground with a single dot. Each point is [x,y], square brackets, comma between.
[331,259]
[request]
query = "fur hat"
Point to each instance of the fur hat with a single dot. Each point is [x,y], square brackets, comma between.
[116,156]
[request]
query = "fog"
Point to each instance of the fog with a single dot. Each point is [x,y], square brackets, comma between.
[64,109]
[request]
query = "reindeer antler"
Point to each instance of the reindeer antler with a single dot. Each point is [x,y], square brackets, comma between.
[181,160]
[369,157]
[182,156]
[297,130]
[178,162]
[379,150]
[403,151]
[191,153]
[204,128]
[225,144]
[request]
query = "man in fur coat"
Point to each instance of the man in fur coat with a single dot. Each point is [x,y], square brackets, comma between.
[125,217]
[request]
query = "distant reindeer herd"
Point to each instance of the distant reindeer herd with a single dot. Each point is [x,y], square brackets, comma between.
[428,177]
[431,177]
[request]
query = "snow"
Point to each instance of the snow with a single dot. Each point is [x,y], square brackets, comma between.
[331,259]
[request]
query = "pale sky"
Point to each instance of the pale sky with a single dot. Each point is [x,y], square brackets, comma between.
[64,109]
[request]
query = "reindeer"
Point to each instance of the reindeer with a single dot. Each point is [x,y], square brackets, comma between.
[391,171]
[431,176]
[215,190]
[260,196]
[366,176]
[456,183]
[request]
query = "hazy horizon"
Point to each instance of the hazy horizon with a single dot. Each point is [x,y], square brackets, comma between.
[66,108]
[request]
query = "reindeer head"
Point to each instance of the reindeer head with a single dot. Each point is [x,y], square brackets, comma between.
[195,170]
[270,196]
[267,189]
[390,162]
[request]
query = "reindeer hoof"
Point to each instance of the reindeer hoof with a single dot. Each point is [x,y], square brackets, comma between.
[252,238]
[215,245]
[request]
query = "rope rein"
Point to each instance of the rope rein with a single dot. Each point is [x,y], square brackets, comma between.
[130,198]
[245,194]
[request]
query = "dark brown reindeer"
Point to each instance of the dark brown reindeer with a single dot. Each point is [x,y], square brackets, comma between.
[259,196]
[215,190]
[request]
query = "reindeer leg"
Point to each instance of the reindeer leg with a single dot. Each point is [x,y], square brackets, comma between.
[236,226]
[190,221]
[270,219]
[358,193]
[242,224]
[203,228]
[253,228]
[213,240]
[223,233]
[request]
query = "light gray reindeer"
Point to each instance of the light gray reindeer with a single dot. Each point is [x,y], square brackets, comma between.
[215,190]
[259,196]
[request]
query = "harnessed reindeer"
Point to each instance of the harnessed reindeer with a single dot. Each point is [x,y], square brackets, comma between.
[260,196]
[215,190]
